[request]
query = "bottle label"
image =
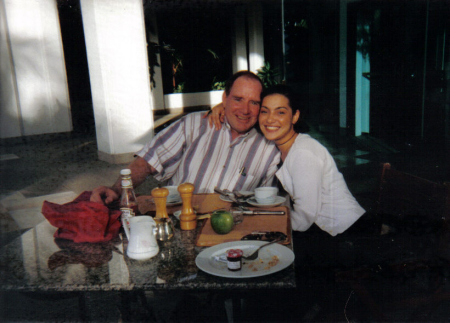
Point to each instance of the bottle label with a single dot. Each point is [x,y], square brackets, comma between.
[127,212]
[126,223]
[126,183]
[234,265]
[126,215]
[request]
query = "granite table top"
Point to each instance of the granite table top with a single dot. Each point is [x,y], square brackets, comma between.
[36,261]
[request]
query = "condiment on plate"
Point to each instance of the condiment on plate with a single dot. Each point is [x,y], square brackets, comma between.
[234,259]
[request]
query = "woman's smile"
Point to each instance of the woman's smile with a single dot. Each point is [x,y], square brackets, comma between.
[272,128]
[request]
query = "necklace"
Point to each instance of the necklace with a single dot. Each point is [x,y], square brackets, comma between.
[287,140]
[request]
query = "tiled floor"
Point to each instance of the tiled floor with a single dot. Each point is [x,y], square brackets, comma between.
[59,167]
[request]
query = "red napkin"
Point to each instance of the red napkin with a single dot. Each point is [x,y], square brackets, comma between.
[82,220]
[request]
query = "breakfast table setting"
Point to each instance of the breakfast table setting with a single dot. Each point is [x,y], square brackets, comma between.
[62,255]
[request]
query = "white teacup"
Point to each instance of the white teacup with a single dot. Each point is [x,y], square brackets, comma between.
[266,195]
[174,196]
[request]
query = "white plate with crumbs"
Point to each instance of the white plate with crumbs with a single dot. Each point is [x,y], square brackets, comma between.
[271,259]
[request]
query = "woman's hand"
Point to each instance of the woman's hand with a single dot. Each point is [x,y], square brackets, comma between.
[216,116]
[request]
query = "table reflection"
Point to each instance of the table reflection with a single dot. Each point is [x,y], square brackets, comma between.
[38,261]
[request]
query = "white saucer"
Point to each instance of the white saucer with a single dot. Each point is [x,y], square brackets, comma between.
[168,203]
[278,200]
[175,202]
[227,199]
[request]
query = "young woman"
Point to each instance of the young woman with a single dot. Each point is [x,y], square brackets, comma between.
[309,174]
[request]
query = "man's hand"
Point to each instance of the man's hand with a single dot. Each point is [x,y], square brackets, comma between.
[140,169]
[104,195]
[216,116]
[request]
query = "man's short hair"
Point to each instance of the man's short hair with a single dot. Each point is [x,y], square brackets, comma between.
[229,83]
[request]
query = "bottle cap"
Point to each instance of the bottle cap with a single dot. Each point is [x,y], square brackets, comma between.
[125,171]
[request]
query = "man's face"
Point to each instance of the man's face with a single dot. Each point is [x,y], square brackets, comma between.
[242,105]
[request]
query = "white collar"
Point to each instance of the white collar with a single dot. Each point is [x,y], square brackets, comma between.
[227,125]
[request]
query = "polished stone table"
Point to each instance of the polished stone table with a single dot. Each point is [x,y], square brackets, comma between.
[36,261]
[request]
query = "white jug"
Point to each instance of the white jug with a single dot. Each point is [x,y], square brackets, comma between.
[142,242]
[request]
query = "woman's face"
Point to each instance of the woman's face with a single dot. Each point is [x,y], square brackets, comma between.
[276,119]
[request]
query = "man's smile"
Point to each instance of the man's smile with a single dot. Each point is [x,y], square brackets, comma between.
[244,118]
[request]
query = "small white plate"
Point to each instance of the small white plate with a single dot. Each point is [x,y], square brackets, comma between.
[271,259]
[227,199]
[278,200]
[177,214]
[176,202]
[247,193]
[171,203]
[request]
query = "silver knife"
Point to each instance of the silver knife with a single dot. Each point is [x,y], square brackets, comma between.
[263,212]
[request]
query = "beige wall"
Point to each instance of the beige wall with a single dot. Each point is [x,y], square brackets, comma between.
[33,85]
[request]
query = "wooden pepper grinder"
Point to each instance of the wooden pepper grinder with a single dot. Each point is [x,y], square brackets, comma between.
[164,225]
[188,219]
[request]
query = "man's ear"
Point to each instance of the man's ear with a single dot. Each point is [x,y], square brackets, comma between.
[224,97]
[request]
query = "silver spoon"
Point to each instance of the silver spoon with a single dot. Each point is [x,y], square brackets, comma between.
[254,255]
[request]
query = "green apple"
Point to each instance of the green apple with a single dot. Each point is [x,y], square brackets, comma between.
[222,221]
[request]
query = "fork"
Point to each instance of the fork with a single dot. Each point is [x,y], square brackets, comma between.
[255,253]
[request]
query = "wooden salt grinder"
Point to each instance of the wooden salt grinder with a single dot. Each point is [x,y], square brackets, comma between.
[188,219]
[160,198]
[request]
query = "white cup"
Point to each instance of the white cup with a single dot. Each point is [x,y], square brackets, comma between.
[141,237]
[266,195]
[174,196]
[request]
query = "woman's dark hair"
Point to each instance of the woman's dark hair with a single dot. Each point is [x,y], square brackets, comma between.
[295,102]
[229,83]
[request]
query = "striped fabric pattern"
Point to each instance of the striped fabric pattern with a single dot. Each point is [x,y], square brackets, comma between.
[190,151]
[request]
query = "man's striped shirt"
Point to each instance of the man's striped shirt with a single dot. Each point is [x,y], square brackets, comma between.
[191,151]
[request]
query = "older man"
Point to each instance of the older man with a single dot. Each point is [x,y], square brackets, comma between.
[236,157]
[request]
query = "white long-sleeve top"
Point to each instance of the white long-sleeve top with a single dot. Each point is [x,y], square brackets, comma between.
[317,188]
